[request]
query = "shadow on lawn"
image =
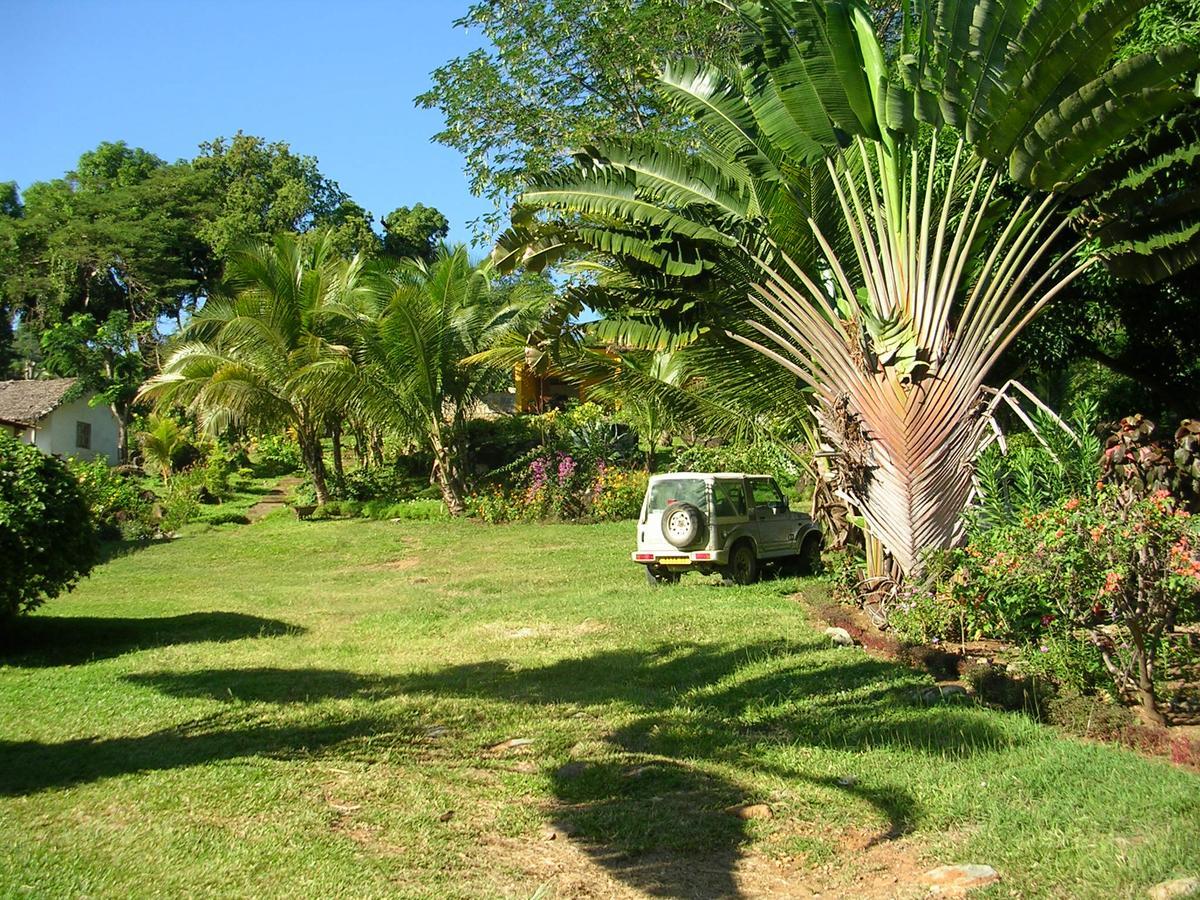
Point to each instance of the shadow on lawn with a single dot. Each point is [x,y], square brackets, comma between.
[41,641]
[648,805]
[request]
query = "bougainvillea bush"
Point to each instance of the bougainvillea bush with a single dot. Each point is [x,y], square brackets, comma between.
[1090,585]
[47,538]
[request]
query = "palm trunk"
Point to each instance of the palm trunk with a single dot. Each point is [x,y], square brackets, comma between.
[339,473]
[447,474]
[314,463]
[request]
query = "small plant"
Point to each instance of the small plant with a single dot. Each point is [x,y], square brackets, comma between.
[47,536]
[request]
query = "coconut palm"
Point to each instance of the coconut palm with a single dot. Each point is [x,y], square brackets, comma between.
[883,226]
[411,334]
[249,358]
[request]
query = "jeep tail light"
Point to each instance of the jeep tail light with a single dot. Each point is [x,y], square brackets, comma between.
[644,556]
[702,556]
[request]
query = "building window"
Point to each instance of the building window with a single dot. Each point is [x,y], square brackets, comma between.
[83,435]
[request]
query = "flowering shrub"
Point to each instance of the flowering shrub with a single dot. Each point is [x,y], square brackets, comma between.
[618,493]
[557,486]
[1088,586]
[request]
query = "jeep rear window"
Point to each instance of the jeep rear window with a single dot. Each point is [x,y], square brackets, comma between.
[670,491]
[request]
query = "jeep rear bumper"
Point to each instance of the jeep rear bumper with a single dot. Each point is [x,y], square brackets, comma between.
[680,559]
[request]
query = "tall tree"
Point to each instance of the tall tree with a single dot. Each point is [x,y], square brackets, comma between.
[264,189]
[887,226]
[561,74]
[414,232]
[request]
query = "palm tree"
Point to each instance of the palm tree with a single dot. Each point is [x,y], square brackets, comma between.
[161,441]
[419,322]
[250,357]
[883,226]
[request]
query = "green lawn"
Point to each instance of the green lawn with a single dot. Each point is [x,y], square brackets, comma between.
[308,709]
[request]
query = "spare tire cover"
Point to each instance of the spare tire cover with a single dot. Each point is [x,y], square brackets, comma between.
[682,524]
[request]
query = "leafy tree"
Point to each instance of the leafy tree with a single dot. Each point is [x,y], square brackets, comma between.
[250,356]
[105,357]
[47,538]
[414,232]
[883,227]
[264,189]
[561,74]
[117,233]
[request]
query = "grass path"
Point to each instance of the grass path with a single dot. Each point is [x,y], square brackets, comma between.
[321,709]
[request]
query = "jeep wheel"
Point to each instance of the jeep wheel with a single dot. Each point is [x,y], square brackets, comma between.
[808,560]
[656,575]
[743,565]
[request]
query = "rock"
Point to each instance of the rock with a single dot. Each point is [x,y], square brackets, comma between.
[511,744]
[571,770]
[940,692]
[957,880]
[847,781]
[750,811]
[1178,887]
[840,637]
[555,834]
[446,816]
[437,731]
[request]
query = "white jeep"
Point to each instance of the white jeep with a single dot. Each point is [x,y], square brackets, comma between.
[725,522]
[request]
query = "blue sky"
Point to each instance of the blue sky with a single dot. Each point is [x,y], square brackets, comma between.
[333,79]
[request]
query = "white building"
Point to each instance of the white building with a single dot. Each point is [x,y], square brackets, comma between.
[36,412]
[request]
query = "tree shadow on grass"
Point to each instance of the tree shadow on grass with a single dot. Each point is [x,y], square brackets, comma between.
[648,803]
[42,641]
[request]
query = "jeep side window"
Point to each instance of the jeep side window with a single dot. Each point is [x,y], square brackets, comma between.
[765,493]
[731,499]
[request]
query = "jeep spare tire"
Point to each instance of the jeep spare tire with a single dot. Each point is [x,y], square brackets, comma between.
[682,524]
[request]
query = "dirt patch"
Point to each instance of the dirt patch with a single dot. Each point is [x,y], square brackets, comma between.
[403,564]
[572,868]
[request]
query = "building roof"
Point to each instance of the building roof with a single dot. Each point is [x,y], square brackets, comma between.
[24,402]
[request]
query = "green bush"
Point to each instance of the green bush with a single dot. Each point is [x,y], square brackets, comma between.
[120,507]
[759,457]
[47,537]
[276,454]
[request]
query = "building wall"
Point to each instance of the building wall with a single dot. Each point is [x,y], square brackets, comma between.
[55,433]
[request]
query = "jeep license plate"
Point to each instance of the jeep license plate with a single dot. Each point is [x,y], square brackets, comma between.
[673,560]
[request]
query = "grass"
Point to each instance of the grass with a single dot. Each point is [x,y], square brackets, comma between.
[309,708]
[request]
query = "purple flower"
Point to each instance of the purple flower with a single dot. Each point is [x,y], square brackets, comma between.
[537,472]
[566,468]
[1045,649]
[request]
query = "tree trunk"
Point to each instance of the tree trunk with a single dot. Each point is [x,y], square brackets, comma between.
[339,472]
[650,452]
[1145,680]
[121,414]
[314,462]
[447,475]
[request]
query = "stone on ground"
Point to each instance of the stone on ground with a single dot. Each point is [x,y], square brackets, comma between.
[957,880]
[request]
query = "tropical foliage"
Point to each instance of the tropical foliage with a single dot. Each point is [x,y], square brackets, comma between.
[883,227]
[247,357]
